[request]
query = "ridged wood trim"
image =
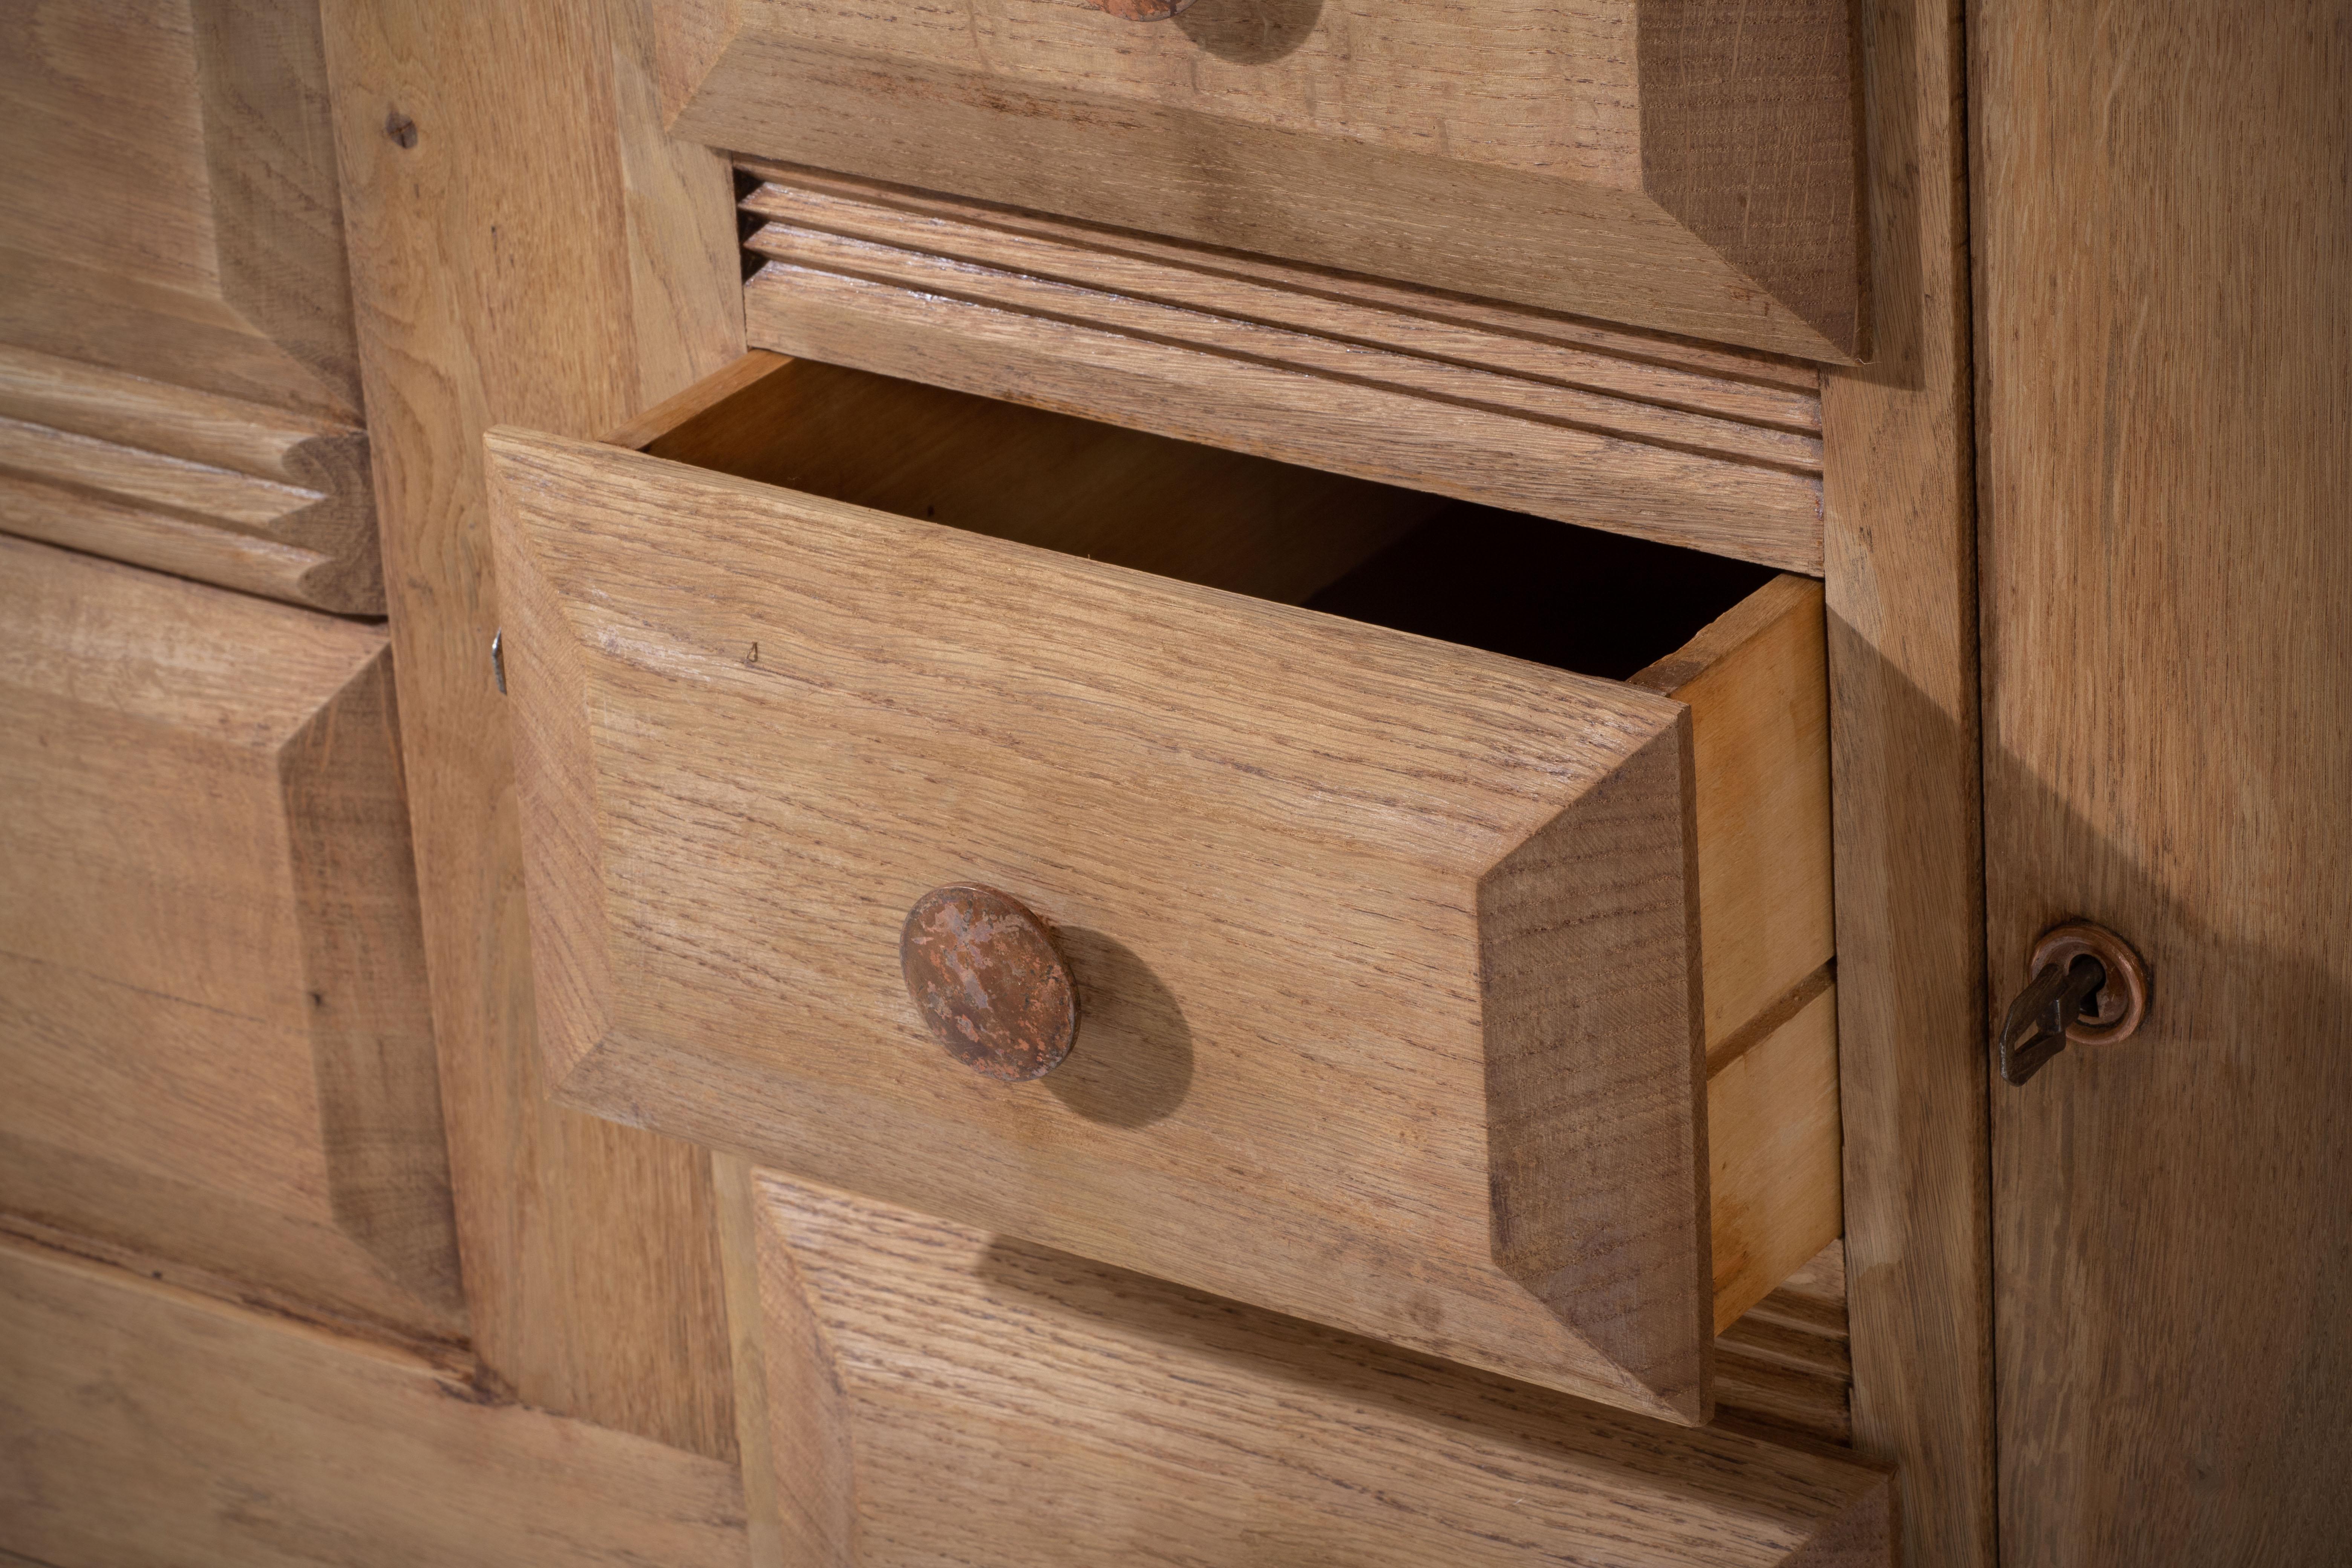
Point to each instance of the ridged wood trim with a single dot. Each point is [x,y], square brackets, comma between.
[238,494]
[1788,1364]
[1516,408]
[1678,373]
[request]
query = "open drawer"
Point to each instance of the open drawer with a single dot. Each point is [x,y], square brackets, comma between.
[1385,951]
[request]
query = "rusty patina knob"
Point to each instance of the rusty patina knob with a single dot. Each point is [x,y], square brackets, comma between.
[989,982]
[1143,10]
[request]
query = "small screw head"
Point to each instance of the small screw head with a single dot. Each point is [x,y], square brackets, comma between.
[400,128]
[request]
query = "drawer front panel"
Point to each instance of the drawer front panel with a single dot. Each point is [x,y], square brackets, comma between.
[1668,163]
[214,1032]
[918,1392]
[1385,947]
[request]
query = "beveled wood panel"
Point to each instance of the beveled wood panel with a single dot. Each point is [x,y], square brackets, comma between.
[142,1427]
[1516,408]
[1663,163]
[214,1038]
[178,377]
[168,203]
[268,500]
[932,1393]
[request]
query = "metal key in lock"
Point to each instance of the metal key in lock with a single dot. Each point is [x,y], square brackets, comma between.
[2088,987]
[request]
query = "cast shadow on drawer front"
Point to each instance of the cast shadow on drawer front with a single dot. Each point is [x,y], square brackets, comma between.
[1431,918]
[916,1391]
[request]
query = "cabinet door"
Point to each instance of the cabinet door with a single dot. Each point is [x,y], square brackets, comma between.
[2167,431]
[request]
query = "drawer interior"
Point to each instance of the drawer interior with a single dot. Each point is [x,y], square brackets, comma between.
[1575,599]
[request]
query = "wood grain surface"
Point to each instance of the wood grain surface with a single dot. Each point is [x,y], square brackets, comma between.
[590,1265]
[1667,164]
[214,1036]
[1772,1149]
[142,1427]
[934,1393]
[1503,404]
[168,204]
[1759,698]
[268,500]
[2167,425]
[1900,573]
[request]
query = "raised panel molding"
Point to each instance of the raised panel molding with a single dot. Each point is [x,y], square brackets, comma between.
[214,1044]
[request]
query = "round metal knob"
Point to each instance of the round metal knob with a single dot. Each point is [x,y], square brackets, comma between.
[989,982]
[1143,10]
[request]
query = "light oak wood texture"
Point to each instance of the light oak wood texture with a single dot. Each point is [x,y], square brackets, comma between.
[589,1263]
[1772,1147]
[1433,1116]
[144,1428]
[2167,429]
[935,1394]
[1663,162]
[1787,1364]
[168,203]
[214,1036]
[271,501]
[1759,698]
[1514,408]
[1900,574]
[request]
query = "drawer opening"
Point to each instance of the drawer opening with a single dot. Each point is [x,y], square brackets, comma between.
[1575,599]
